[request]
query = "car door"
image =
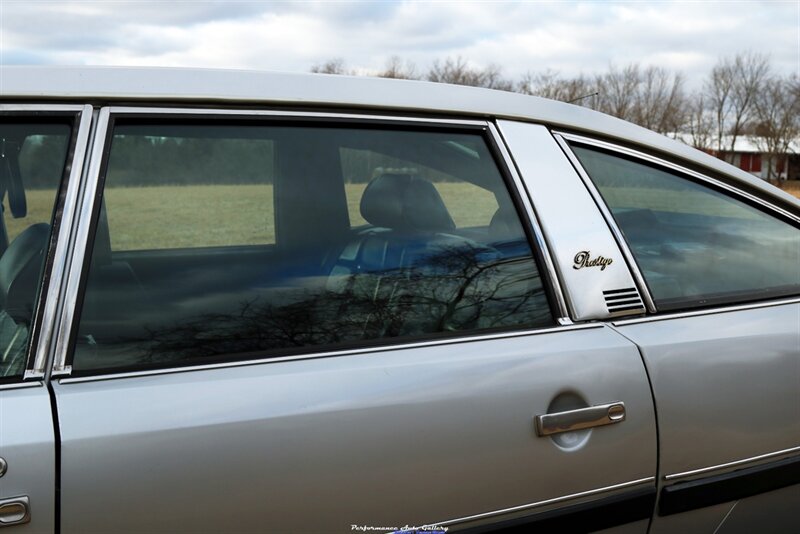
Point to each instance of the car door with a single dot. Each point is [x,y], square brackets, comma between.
[304,322]
[723,346]
[41,153]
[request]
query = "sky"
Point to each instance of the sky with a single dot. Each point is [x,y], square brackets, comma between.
[566,37]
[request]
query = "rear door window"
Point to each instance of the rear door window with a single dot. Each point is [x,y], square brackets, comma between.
[222,241]
[696,245]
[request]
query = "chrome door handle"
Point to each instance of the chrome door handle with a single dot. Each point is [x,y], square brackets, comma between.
[602,414]
[15,511]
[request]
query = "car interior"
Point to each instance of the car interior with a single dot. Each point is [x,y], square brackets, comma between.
[409,271]
[22,259]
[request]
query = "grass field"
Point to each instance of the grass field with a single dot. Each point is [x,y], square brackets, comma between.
[218,215]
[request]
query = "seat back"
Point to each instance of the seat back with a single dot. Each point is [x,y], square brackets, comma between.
[379,273]
[20,269]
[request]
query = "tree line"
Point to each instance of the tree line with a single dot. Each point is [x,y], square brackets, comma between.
[741,95]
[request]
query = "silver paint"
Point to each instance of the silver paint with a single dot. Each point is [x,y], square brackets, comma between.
[28,446]
[570,219]
[725,384]
[405,436]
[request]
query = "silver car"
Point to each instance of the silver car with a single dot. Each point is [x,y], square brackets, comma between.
[249,302]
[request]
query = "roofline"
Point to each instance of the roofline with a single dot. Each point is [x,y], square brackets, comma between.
[215,86]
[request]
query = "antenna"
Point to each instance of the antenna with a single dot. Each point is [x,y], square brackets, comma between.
[582,97]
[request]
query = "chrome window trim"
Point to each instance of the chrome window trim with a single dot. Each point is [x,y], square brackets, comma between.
[539,504]
[38,358]
[276,113]
[330,354]
[89,187]
[48,108]
[709,311]
[78,242]
[638,277]
[53,303]
[538,234]
[21,385]
[736,463]
[678,168]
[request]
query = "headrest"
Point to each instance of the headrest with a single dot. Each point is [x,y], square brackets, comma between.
[20,268]
[405,202]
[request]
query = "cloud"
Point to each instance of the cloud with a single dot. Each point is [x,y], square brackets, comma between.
[569,37]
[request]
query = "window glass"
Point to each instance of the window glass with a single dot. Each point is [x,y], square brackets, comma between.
[468,204]
[695,245]
[231,182]
[354,236]
[32,161]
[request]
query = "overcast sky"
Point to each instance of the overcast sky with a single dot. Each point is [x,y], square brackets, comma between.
[569,37]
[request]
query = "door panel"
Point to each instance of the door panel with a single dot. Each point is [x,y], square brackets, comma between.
[405,436]
[28,447]
[725,380]
[726,387]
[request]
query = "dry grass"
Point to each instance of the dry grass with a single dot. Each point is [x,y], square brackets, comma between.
[792,187]
[219,215]
[40,209]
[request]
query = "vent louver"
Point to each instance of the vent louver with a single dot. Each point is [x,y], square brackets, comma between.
[623,300]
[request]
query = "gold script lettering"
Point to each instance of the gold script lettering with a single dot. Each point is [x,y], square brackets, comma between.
[584,259]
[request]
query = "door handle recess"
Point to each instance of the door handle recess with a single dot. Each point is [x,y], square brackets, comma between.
[15,511]
[571,420]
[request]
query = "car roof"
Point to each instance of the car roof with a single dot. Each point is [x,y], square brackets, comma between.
[150,84]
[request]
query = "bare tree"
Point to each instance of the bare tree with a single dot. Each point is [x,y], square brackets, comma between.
[717,93]
[332,66]
[618,91]
[739,96]
[750,72]
[550,84]
[397,68]
[730,94]
[652,97]
[660,103]
[777,110]
[457,71]
[699,122]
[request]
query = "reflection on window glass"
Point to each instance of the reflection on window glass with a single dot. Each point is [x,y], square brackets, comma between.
[695,245]
[353,236]
[32,160]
